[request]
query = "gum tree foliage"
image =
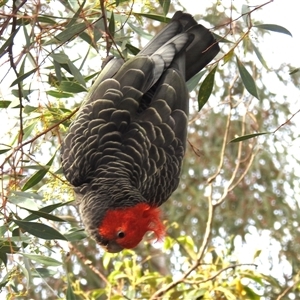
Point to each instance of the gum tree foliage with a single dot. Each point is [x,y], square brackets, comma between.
[239,182]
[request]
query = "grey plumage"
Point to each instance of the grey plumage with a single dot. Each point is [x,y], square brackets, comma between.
[127,143]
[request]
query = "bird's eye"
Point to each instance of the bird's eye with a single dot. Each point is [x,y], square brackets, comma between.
[121,234]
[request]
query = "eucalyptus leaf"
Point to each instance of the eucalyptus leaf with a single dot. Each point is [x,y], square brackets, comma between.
[40,230]
[247,79]
[248,136]
[206,88]
[44,260]
[273,27]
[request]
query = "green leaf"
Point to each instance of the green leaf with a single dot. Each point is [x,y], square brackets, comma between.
[7,247]
[165,4]
[228,56]
[132,49]
[259,56]
[38,176]
[155,17]
[28,130]
[247,79]
[248,136]
[68,34]
[40,230]
[46,20]
[111,25]
[22,77]
[76,73]
[29,109]
[294,71]
[70,293]
[45,260]
[4,103]
[75,234]
[71,87]
[46,209]
[24,93]
[59,94]
[4,150]
[221,39]
[8,42]
[273,27]
[192,83]
[43,272]
[140,31]
[245,14]
[8,276]
[22,201]
[41,214]
[206,88]
[61,58]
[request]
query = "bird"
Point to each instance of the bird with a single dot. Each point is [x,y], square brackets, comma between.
[124,150]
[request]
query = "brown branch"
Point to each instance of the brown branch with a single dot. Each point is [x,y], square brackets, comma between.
[286,291]
[88,263]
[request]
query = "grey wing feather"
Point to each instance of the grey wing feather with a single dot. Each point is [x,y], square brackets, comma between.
[132,126]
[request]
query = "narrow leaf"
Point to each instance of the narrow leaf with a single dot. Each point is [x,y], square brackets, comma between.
[155,17]
[4,150]
[40,230]
[228,56]
[140,31]
[221,39]
[58,94]
[247,137]
[28,130]
[192,83]
[259,56]
[41,214]
[51,207]
[7,247]
[165,4]
[247,79]
[274,27]
[46,209]
[45,260]
[38,176]
[245,14]
[111,25]
[206,88]
[43,272]
[22,77]
[71,87]
[70,293]
[4,103]
[70,32]
[75,235]
[8,42]
[132,49]
[23,202]
[294,71]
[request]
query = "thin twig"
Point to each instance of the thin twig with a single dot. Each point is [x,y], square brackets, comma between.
[197,263]
[288,120]
[20,146]
[286,291]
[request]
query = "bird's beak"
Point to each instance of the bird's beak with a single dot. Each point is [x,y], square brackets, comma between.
[113,247]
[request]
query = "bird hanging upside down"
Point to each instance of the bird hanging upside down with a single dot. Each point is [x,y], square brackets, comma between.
[123,152]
